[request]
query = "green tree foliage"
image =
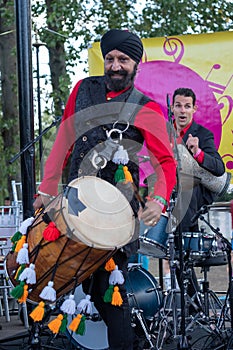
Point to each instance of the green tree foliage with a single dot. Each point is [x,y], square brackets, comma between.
[176,17]
[9,128]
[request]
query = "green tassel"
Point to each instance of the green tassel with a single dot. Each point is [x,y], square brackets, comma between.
[63,324]
[108,294]
[16,237]
[119,174]
[13,247]
[19,271]
[17,292]
[82,326]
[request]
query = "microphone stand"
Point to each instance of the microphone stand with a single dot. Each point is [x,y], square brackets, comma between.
[31,143]
[183,343]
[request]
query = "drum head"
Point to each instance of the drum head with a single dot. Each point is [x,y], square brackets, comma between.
[97,213]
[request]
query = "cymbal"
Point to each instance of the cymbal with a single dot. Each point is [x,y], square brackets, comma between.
[188,181]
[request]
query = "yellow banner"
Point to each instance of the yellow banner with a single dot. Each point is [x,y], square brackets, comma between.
[201,62]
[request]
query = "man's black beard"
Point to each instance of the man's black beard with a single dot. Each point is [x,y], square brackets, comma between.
[120,84]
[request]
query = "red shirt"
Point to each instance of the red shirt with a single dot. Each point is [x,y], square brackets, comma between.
[200,157]
[150,121]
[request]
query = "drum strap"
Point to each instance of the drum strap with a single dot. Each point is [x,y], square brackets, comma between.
[128,112]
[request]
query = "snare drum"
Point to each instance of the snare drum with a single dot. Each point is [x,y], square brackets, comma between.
[94,219]
[153,239]
[198,244]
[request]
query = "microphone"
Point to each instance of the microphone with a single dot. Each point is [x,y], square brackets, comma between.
[202,210]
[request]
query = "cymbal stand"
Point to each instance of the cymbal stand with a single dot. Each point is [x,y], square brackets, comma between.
[211,301]
[172,265]
[170,300]
[183,340]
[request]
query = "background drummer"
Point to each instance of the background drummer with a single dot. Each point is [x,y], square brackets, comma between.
[122,52]
[200,143]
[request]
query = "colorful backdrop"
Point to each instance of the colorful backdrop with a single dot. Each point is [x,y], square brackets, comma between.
[202,62]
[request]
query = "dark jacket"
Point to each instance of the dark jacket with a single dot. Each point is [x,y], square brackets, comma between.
[193,200]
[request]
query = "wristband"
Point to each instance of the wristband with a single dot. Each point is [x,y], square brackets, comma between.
[197,154]
[159,200]
[46,194]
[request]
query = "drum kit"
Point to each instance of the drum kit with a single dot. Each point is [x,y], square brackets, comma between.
[89,204]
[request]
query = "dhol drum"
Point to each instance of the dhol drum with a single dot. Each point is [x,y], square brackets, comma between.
[94,219]
[153,239]
[143,293]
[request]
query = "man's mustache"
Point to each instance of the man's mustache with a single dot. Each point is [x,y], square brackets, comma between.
[119,72]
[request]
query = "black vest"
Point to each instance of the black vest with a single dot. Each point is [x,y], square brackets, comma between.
[94,116]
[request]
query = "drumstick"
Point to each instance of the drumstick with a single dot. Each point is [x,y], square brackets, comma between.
[138,196]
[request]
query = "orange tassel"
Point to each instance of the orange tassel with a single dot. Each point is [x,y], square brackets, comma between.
[55,324]
[110,265]
[75,323]
[128,176]
[20,243]
[38,313]
[51,233]
[116,297]
[23,299]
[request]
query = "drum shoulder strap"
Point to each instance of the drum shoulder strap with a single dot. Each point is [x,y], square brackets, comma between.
[134,103]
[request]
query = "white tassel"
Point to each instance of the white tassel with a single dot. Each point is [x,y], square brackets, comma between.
[121,156]
[28,275]
[22,256]
[85,305]
[48,293]
[69,305]
[25,224]
[116,277]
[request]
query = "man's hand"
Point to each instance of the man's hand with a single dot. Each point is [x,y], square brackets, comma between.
[192,144]
[150,214]
[41,201]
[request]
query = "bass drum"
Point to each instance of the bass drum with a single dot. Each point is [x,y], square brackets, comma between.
[143,293]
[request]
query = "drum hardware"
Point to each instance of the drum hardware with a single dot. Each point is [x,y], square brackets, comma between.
[210,295]
[210,298]
[170,306]
[138,314]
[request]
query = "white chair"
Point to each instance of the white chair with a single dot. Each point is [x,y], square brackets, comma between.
[10,218]
[17,192]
